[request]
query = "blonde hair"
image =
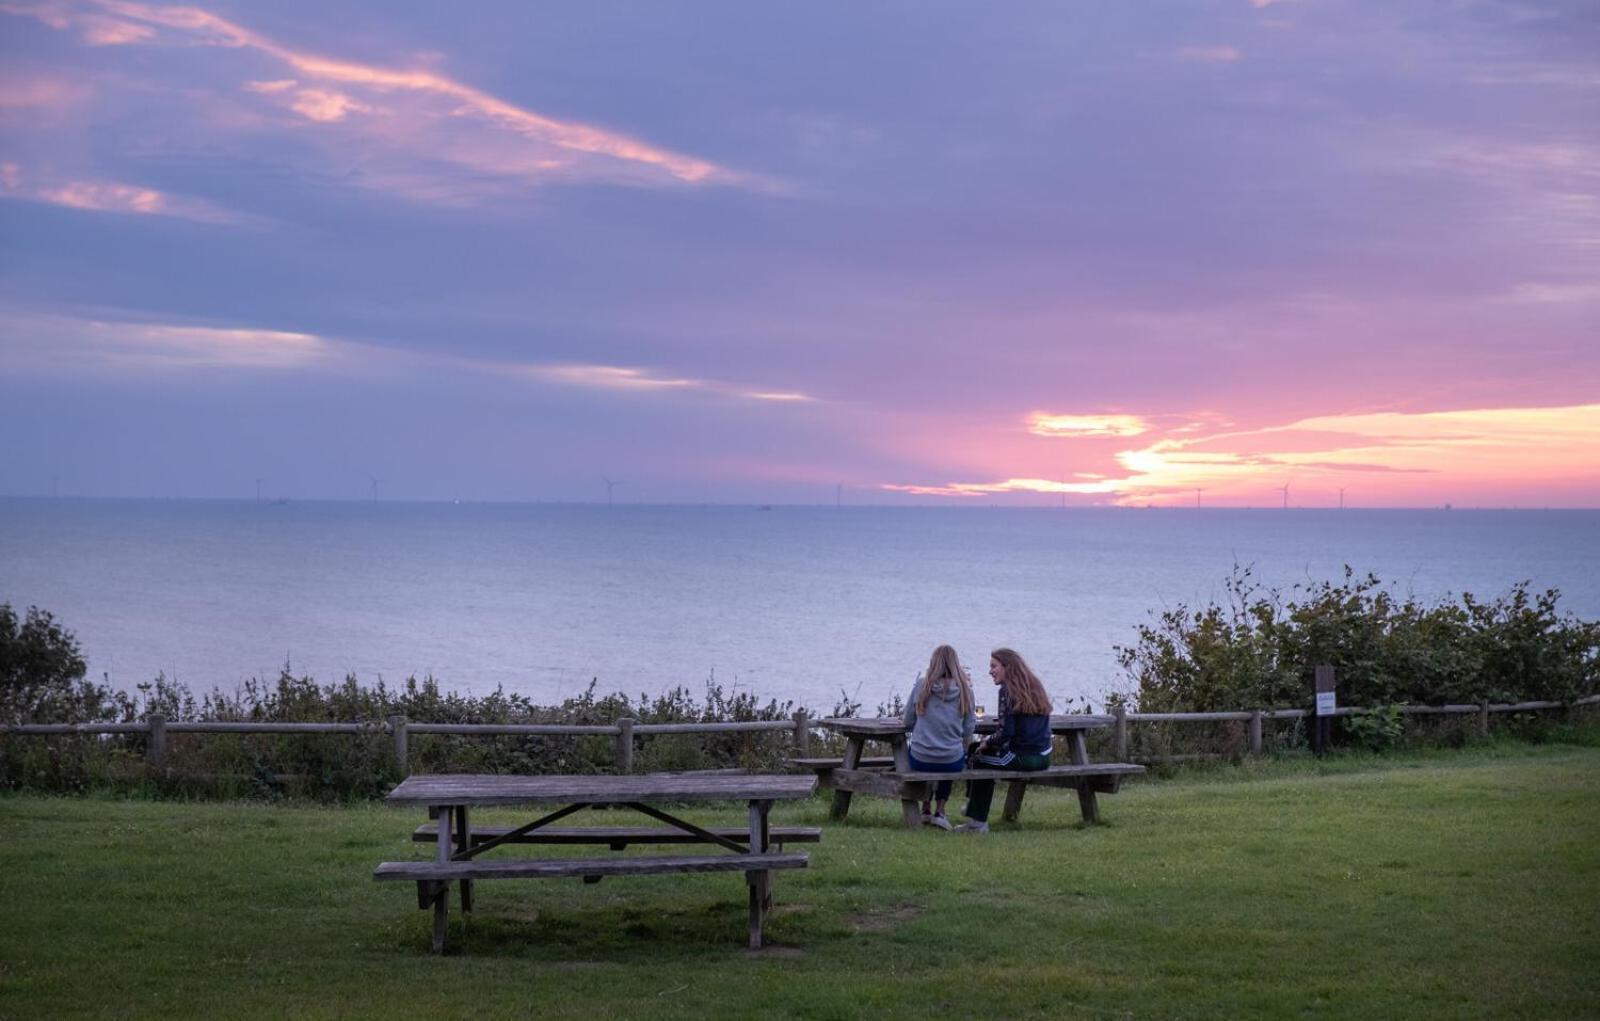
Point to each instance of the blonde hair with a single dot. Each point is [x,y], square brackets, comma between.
[1023,688]
[943,667]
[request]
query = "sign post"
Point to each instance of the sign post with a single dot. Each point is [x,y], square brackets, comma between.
[1321,729]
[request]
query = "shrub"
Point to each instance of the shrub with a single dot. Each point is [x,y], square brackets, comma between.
[1259,647]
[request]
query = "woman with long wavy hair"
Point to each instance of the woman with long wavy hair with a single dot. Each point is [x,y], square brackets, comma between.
[940,720]
[1021,743]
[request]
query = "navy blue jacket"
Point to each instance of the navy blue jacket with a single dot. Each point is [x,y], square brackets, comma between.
[1024,733]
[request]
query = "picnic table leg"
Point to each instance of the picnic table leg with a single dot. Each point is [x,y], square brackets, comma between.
[759,881]
[1086,799]
[464,842]
[852,759]
[910,810]
[441,899]
[1014,792]
[760,843]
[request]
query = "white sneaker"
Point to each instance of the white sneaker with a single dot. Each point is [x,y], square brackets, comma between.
[973,826]
[941,822]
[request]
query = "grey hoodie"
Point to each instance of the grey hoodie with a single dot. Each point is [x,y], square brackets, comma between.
[940,733]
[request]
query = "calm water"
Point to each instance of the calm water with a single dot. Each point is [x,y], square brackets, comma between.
[798,603]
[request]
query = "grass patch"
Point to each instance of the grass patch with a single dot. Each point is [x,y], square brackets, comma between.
[1448,885]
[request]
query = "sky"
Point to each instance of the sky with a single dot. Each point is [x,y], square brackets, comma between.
[1175,252]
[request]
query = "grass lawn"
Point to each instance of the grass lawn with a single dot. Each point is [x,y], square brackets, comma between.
[1460,884]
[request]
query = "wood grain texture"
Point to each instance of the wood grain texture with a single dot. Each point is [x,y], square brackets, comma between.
[867,762]
[563,868]
[497,789]
[880,727]
[619,837]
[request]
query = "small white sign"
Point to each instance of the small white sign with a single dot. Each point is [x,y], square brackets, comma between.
[1325,703]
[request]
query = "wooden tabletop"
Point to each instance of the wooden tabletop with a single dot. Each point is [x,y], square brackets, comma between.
[501,789]
[891,726]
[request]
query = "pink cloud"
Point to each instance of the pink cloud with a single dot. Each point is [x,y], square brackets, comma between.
[1394,457]
[1209,54]
[35,91]
[626,378]
[106,197]
[428,111]
[325,106]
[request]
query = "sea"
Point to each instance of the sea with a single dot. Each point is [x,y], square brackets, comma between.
[815,605]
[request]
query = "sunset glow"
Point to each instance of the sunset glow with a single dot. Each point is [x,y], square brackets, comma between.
[1215,254]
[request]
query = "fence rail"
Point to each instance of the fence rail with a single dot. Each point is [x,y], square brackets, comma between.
[624,731]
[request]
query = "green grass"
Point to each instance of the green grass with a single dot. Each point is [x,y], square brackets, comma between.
[1457,884]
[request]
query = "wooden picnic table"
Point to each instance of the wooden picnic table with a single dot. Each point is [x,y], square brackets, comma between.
[851,774]
[450,797]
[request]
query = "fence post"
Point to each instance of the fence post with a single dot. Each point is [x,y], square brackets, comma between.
[802,735]
[1483,718]
[625,744]
[1255,732]
[156,750]
[402,751]
[1119,734]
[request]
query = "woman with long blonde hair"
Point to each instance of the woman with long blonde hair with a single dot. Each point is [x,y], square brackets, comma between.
[1023,740]
[940,719]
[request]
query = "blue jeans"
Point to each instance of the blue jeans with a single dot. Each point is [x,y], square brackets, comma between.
[942,791]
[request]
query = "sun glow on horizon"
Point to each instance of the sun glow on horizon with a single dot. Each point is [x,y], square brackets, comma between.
[1393,457]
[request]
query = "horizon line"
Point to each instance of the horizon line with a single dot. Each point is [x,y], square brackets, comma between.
[772,505]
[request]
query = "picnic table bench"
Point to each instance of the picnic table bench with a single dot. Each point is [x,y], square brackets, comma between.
[449,798]
[893,776]
[618,838]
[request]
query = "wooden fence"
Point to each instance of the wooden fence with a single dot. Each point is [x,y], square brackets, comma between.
[624,732]
[1256,717]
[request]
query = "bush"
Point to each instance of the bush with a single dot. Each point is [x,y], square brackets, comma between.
[41,673]
[1259,648]
[41,681]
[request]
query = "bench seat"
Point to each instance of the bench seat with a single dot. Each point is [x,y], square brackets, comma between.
[433,878]
[619,837]
[559,868]
[872,762]
[1091,769]
[912,787]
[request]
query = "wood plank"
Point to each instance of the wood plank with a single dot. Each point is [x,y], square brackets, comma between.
[760,836]
[1101,777]
[867,762]
[464,841]
[560,868]
[880,783]
[878,727]
[619,837]
[513,834]
[760,884]
[499,789]
[1014,793]
[1076,770]
[852,758]
[689,828]
[1086,799]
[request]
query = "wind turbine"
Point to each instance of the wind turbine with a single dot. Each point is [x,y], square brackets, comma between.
[610,485]
[838,496]
[1285,488]
[375,481]
[1341,498]
[1197,499]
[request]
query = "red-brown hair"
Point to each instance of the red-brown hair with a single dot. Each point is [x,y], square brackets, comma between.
[1024,691]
